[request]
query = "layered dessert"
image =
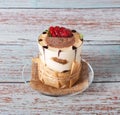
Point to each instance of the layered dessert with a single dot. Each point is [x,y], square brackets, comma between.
[59,57]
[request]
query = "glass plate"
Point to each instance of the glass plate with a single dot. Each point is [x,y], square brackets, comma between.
[87,75]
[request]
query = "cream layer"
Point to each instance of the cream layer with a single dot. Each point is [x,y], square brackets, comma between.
[60,59]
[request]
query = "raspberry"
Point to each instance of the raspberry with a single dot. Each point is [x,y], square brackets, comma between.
[57,29]
[59,32]
[51,29]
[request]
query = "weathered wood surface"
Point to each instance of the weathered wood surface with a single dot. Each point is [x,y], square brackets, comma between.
[95,24]
[99,99]
[59,4]
[105,60]
[19,29]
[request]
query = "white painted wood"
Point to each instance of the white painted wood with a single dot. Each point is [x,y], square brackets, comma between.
[95,24]
[19,29]
[98,99]
[105,60]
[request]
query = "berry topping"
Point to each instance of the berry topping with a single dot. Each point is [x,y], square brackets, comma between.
[60,32]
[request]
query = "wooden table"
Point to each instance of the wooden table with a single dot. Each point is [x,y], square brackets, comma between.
[20,24]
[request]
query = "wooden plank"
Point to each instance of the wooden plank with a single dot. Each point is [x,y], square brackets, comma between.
[59,4]
[99,98]
[105,60]
[95,24]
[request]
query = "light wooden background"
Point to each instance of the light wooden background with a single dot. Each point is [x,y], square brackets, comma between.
[21,22]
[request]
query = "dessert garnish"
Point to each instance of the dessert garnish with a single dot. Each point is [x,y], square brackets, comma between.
[59,32]
[81,37]
[60,37]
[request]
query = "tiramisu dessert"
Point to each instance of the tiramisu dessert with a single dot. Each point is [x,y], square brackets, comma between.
[59,57]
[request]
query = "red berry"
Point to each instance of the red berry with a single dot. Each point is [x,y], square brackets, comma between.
[51,29]
[53,34]
[56,30]
[57,27]
[59,32]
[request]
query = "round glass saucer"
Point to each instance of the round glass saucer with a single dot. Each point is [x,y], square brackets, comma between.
[86,78]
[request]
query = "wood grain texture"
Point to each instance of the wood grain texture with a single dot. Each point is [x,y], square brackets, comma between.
[59,4]
[95,24]
[19,29]
[105,60]
[98,99]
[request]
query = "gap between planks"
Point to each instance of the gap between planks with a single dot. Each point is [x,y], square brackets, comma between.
[29,81]
[60,8]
